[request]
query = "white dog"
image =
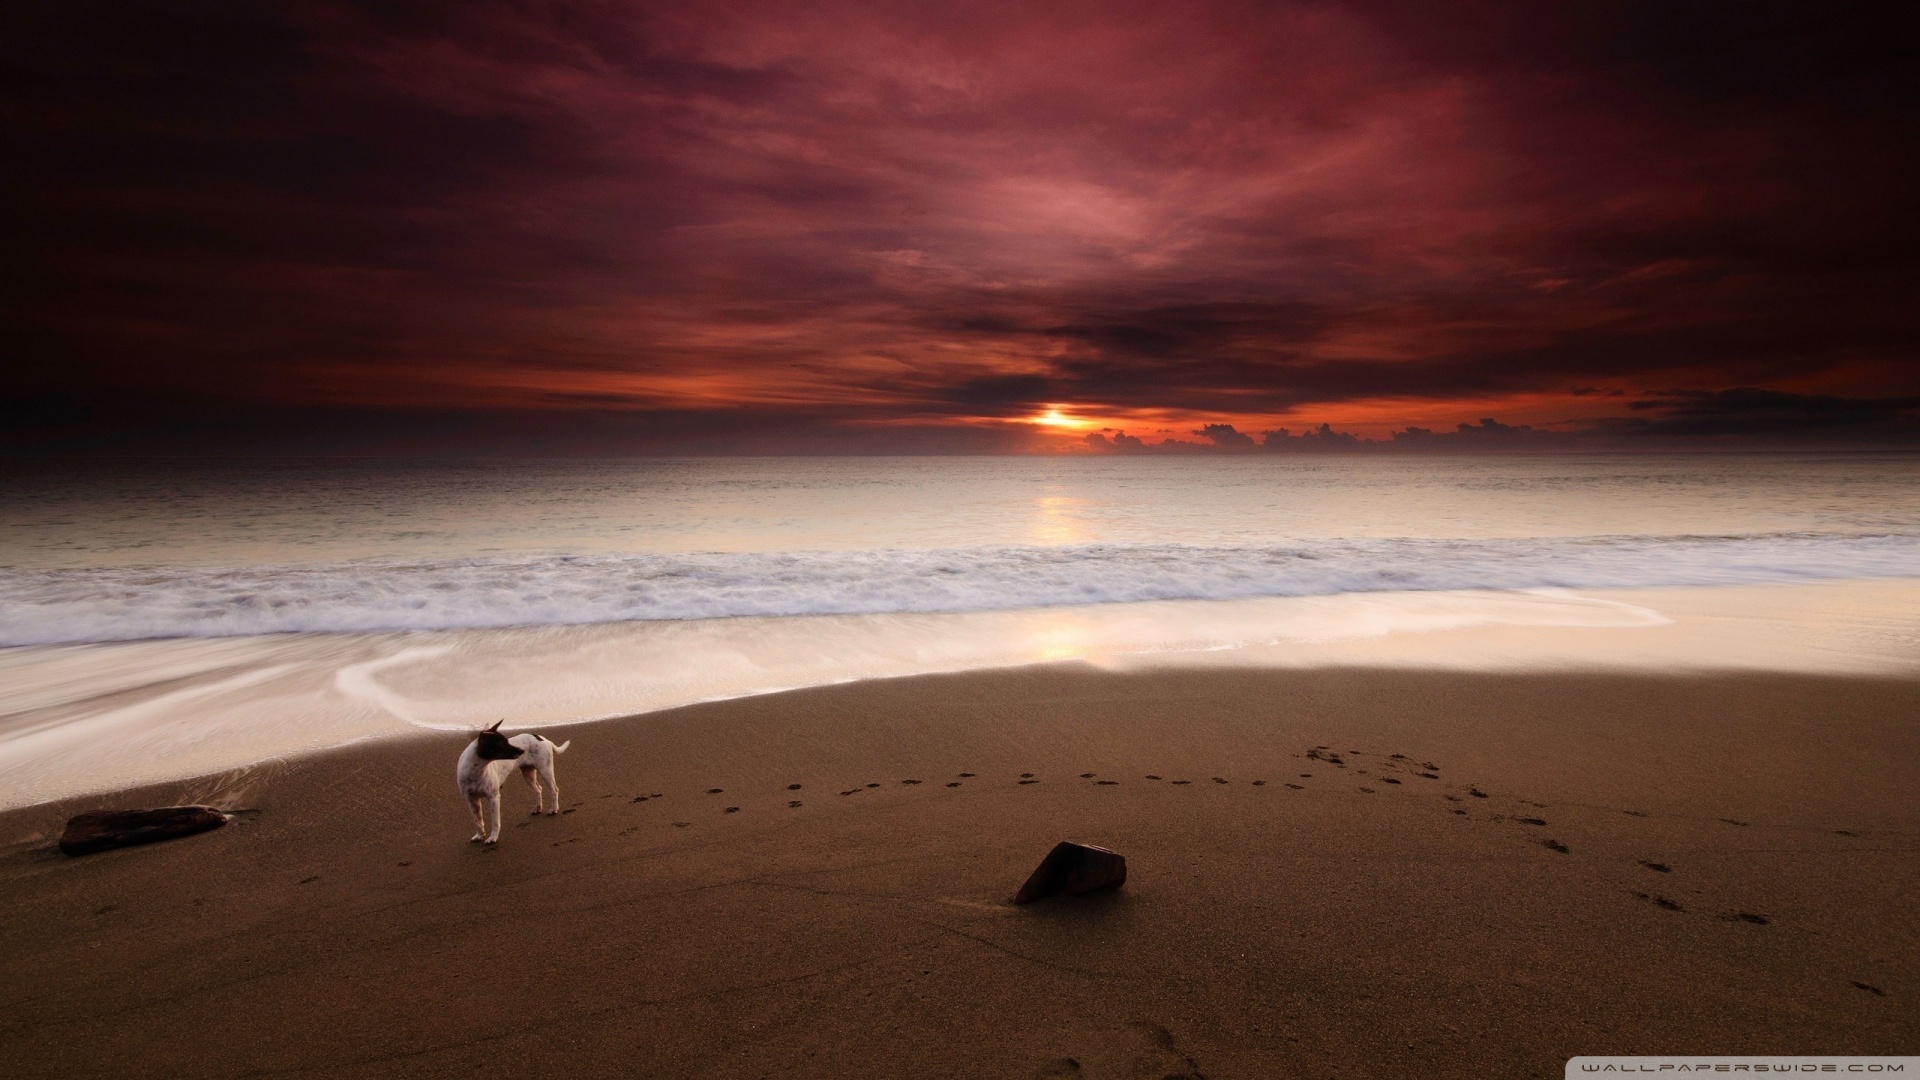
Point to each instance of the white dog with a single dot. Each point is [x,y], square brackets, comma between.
[487,760]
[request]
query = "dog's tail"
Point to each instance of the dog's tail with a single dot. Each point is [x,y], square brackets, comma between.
[558,748]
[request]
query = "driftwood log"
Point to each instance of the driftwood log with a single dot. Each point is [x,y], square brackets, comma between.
[102,830]
[1071,869]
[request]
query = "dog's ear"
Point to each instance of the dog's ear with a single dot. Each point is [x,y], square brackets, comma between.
[496,725]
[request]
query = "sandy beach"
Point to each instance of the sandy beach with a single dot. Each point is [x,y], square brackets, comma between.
[1612,862]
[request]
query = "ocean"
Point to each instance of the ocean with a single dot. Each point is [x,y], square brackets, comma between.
[214,550]
[181,609]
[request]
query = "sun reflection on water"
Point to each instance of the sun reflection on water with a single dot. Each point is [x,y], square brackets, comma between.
[1059,521]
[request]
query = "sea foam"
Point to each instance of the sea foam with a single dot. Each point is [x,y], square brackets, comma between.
[50,606]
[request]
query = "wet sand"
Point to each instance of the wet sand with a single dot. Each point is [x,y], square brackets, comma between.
[77,719]
[1607,862]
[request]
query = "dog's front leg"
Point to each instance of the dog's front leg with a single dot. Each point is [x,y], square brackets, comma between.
[493,817]
[479,818]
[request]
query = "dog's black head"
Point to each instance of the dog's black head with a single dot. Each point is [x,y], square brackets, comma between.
[495,747]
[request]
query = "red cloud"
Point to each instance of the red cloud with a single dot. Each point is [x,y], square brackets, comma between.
[871,217]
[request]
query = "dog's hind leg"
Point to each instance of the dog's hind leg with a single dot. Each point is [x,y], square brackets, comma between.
[553,786]
[532,777]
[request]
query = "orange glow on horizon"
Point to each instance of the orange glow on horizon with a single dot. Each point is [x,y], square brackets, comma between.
[1051,427]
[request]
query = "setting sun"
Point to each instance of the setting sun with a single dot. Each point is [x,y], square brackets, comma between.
[1053,417]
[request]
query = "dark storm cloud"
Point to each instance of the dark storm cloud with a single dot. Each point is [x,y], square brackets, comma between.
[1198,329]
[1749,411]
[1003,394]
[854,225]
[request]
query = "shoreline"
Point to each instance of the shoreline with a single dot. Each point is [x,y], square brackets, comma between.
[197,707]
[1345,926]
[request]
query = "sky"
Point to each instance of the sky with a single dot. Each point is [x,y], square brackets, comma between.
[1060,227]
